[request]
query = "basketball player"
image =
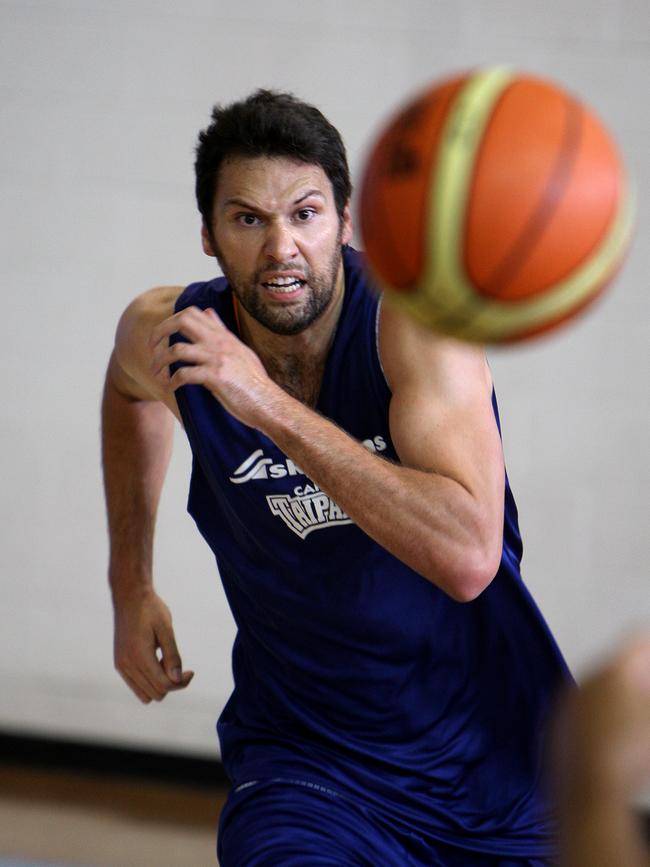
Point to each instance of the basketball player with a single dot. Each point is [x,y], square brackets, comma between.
[392,674]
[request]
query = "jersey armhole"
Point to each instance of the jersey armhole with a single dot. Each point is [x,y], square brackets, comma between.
[376,344]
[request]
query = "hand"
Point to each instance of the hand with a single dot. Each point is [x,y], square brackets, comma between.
[607,724]
[146,655]
[216,359]
[615,719]
[602,760]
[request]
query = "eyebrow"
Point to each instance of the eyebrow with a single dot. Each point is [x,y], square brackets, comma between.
[308,195]
[242,203]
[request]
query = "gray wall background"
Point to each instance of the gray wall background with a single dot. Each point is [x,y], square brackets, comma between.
[100,105]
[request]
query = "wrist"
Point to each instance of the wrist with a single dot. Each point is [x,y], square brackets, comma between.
[127,586]
[278,414]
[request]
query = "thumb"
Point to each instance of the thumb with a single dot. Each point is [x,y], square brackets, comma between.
[171,659]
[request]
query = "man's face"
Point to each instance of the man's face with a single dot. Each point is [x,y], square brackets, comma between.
[277,236]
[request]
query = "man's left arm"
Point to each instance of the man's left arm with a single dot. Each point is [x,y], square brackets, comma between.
[441,510]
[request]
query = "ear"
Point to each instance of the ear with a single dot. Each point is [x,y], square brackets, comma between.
[206,241]
[346,225]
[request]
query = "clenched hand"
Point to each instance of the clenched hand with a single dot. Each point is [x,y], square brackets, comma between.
[145,648]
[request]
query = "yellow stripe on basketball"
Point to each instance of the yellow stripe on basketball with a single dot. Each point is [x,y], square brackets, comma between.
[444,274]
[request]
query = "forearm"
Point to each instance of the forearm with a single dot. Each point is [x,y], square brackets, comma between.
[429,521]
[136,447]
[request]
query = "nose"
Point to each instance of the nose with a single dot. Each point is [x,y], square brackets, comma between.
[279,243]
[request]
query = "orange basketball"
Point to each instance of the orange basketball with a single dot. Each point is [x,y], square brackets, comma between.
[495,206]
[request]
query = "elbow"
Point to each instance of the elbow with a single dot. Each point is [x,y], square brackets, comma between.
[480,568]
[472,572]
[471,586]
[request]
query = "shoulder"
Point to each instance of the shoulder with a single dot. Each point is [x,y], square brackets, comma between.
[142,315]
[412,354]
[131,363]
[206,293]
[150,305]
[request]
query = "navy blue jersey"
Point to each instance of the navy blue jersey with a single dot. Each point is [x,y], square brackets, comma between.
[352,672]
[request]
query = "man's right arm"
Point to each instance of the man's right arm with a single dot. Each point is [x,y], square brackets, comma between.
[137,432]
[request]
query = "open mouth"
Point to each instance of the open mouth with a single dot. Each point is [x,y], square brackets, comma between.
[283,285]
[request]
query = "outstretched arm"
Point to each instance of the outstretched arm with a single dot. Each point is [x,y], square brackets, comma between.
[137,431]
[441,509]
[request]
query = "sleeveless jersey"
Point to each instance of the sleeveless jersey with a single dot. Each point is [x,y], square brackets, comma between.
[352,672]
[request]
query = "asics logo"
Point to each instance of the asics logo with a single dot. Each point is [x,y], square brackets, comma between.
[256,466]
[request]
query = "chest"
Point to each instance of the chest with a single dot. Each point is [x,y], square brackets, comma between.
[300,377]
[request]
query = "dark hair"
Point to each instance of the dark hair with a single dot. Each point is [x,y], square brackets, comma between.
[270,124]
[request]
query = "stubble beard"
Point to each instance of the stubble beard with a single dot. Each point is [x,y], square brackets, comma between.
[286,319]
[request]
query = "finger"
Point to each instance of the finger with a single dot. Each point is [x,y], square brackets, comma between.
[133,686]
[189,322]
[137,678]
[190,375]
[170,325]
[163,356]
[186,679]
[153,682]
[145,672]
[214,317]
[132,670]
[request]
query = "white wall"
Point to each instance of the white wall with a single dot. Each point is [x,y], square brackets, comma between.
[101,102]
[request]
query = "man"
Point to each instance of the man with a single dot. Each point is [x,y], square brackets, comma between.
[392,674]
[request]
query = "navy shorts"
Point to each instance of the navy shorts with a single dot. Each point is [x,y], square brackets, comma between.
[298,824]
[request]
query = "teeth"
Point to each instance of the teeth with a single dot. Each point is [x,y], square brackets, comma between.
[282,281]
[286,284]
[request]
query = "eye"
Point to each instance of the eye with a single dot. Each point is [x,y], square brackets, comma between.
[304,215]
[248,219]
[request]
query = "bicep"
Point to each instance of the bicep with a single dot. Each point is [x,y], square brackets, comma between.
[441,415]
